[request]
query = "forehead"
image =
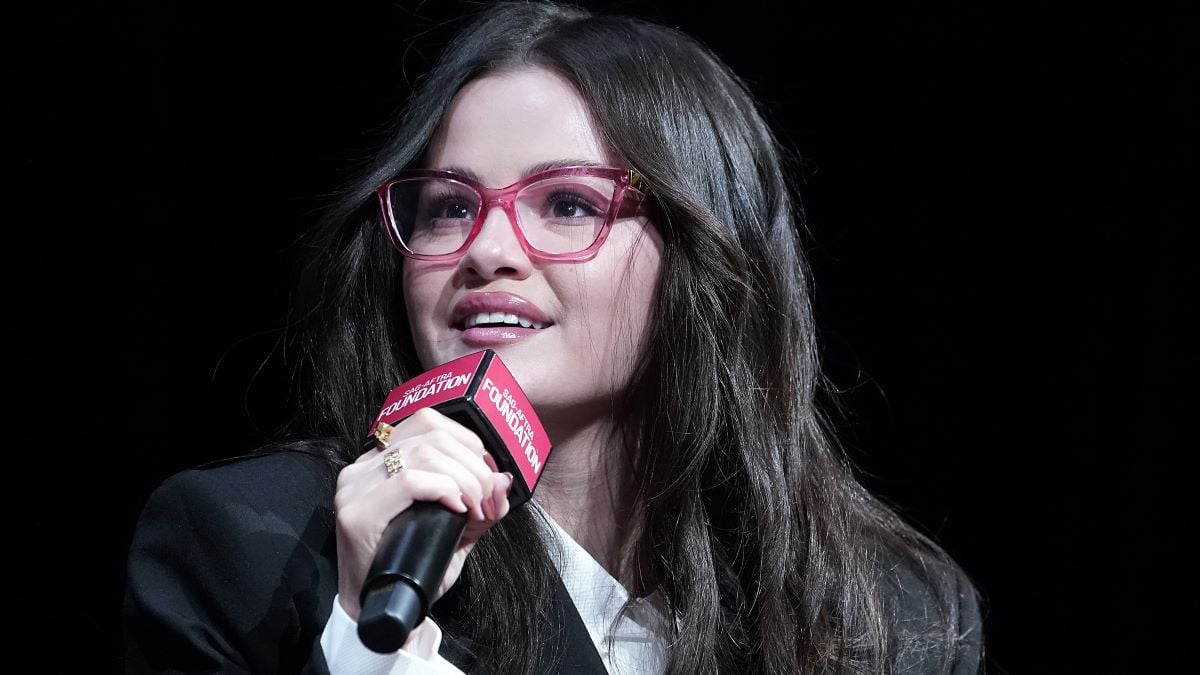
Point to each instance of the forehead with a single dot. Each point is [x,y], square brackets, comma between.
[500,126]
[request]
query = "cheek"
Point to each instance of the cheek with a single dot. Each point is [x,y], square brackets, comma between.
[623,291]
[636,299]
[639,273]
[421,293]
[412,297]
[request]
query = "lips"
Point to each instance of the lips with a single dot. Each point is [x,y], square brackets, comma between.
[497,308]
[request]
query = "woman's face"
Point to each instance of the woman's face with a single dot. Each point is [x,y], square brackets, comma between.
[593,313]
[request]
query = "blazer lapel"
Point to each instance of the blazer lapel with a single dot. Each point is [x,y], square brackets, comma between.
[580,655]
[572,653]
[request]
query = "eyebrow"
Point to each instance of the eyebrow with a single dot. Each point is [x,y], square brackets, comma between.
[529,171]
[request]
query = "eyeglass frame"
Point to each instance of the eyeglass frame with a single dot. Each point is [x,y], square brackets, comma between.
[626,181]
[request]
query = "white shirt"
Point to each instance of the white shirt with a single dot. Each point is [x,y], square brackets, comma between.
[637,638]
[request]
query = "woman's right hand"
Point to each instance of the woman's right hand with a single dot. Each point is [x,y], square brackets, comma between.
[444,462]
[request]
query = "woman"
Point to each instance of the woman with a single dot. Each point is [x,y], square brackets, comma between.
[696,515]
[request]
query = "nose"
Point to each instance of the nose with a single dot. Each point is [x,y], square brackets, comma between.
[497,252]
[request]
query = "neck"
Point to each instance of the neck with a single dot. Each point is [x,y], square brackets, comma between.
[581,489]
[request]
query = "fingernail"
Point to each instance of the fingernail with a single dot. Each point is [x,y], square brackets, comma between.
[486,507]
[490,461]
[510,481]
[462,498]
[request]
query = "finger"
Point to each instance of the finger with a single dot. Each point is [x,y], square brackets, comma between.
[490,461]
[497,509]
[428,419]
[436,458]
[397,493]
[501,486]
[464,455]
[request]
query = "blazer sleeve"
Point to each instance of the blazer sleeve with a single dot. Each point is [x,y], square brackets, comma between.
[218,582]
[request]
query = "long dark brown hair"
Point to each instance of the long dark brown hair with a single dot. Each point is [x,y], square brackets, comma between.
[745,515]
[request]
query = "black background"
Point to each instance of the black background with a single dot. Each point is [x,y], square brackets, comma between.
[995,197]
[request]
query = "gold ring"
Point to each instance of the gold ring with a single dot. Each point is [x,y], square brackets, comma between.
[382,432]
[393,462]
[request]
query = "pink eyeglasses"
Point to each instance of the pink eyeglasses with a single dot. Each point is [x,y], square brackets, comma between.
[558,214]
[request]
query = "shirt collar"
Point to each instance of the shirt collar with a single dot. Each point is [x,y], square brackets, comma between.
[599,597]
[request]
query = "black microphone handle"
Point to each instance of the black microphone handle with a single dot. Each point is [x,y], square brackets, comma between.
[409,564]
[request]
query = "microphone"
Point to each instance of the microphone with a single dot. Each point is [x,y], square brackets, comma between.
[479,392]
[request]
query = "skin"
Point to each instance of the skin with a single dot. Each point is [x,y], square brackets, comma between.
[499,127]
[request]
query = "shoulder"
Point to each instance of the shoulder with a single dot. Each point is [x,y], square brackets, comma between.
[284,472]
[286,486]
[234,563]
[937,617]
[244,503]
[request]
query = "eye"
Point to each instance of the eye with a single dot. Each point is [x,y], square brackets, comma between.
[563,204]
[452,208]
[444,202]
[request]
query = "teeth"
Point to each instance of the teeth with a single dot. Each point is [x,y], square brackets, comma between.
[501,317]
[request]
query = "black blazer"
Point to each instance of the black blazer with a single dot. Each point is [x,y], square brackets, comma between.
[233,570]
